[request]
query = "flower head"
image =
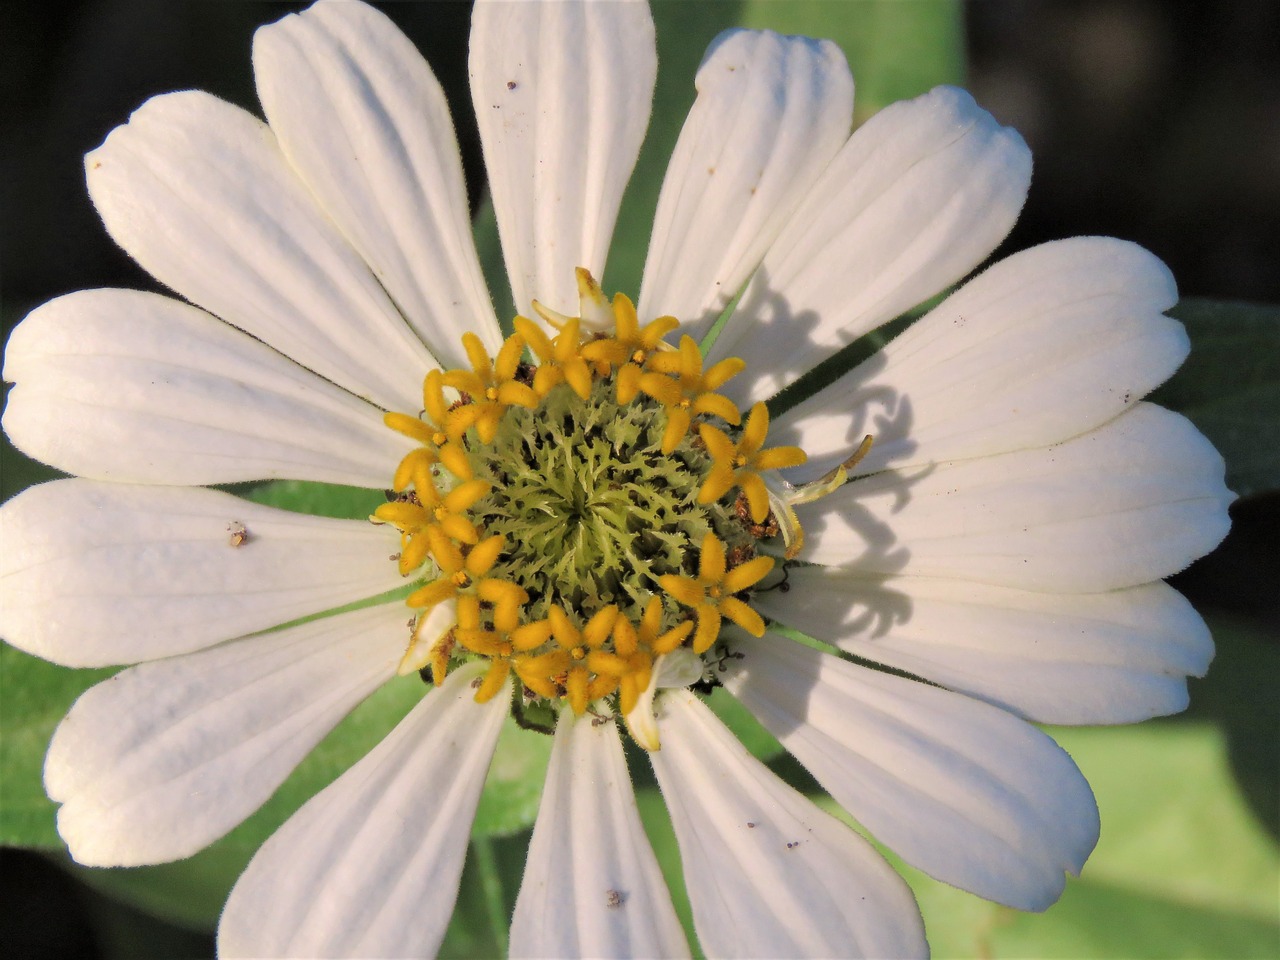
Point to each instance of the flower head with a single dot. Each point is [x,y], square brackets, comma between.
[580,520]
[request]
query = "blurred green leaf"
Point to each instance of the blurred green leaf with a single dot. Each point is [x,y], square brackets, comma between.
[514,786]
[1239,698]
[662,837]
[486,898]
[762,744]
[321,499]
[896,48]
[34,697]
[1182,868]
[1230,386]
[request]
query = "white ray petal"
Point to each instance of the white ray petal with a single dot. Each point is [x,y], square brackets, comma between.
[1067,658]
[562,93]
[1133,501]
[164,758]
[768,873]
[183,399]
[918,197]
[101,573]
[1043,346]
[197,191]
[966,792]
[369,867]
[592,886]
[771,112]
[364,122]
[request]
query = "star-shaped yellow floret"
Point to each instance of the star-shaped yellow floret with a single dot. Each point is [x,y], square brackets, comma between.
[711,593]
[567,671]
[629,347]
[740,464]
[428,511]
[491,386]
[635,647]
[561,359]
[465,574]
[675,379]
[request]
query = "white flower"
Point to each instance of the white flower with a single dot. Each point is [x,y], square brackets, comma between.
[1004,537]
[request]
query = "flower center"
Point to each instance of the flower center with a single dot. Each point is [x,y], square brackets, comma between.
[580,520]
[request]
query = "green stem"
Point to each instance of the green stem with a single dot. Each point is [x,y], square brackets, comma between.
[491,885]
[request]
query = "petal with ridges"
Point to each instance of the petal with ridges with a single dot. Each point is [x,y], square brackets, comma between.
[100,573]
[183,399]
[592,886]
[1043,346]
[771,112]
[369,867]
[364,122]
[1067,658]
[918,197]
[562,93]
[1133,501]
[967,793]
[197,191]
[768,873]
[163,759]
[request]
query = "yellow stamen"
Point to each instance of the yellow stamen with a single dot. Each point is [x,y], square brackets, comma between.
[711,593]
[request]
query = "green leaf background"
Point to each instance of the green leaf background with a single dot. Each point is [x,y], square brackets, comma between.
[1187,865]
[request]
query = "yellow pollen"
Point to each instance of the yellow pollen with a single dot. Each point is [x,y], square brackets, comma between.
[461,579]
[578,653]
[491,393]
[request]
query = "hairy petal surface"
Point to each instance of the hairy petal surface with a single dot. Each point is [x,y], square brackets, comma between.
[369,867]
[919,196]
[592,886]
[1134,501]
[562,93]
[197,191]
[1065,658]
[182,399]
[364,122]
[968,793]
[771,112]
[164,758]
[95,574]
[1045,345]
[768,873]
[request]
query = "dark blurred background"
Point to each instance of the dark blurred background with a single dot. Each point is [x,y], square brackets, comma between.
[1154,121]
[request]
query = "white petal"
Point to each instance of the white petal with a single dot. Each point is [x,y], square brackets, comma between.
[1117,657]
[1134,501]
[768,873]
[919,196]
[562,93]
[592,886]
[369,867]
[968,793]
[101,573]
[1043,346]
[164,758]
[197,191]
[771,112]
[364,122]
[182,399]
